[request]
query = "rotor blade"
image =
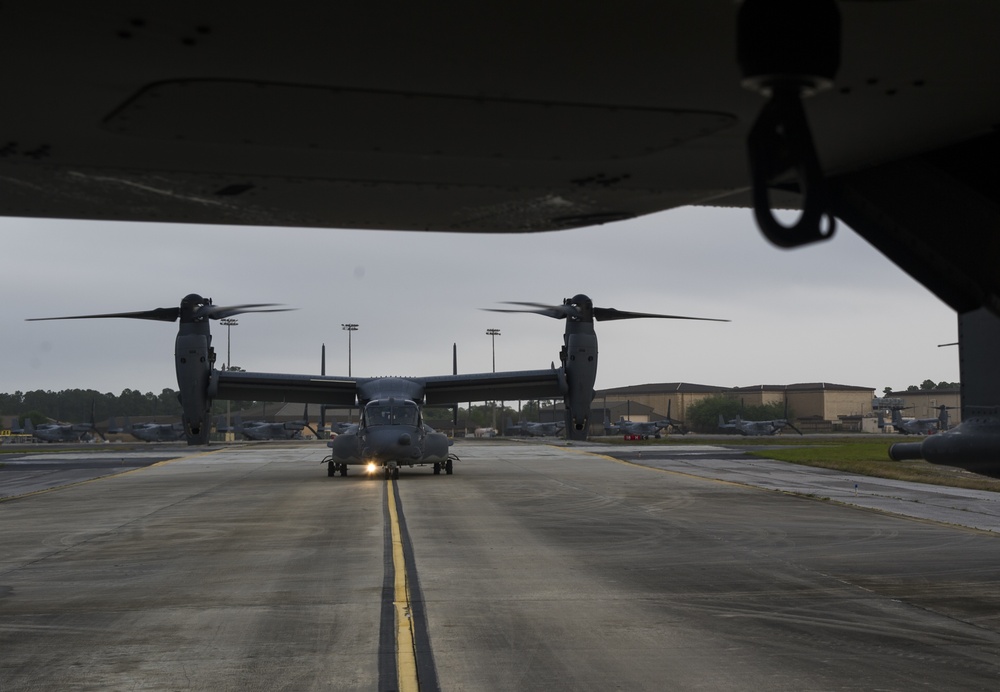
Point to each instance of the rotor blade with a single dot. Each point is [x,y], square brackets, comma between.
[218,312]
[559,312]
[605,314]
[159,314]
[793,427]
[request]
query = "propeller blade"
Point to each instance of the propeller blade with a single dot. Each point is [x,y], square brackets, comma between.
[606,314]
[559,312]
[159,314]
[218,312]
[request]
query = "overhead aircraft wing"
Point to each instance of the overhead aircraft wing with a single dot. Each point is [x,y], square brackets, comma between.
[263,386]
[494,386]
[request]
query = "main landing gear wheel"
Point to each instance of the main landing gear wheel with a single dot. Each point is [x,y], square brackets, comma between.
[343,469]
[331,468]
[447,467]
[437,468]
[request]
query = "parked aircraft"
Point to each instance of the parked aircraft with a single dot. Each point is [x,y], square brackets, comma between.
[916,426]
[644,428]
[152,432]
[753,428]
[62,432]
[529,429]
[391,432]
[274,430]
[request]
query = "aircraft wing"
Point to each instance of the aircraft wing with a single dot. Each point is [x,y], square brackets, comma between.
[263,386]
[494,386]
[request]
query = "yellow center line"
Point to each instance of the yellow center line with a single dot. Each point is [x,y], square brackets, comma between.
[406,663]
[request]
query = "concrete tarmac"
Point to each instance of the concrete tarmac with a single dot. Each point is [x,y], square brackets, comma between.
[533,567]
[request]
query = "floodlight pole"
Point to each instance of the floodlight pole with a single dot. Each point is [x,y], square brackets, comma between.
[349,328]
[229,322]
[493,334]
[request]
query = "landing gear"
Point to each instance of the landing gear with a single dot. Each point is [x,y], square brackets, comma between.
[437,468]
[332,468]
[391,472]
[447,467]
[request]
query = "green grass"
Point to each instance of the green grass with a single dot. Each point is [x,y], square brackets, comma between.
[872,459]
[848,454]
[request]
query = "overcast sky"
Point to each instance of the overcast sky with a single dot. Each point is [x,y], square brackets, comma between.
[837,312]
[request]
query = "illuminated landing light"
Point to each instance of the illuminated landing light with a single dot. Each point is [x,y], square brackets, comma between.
[371,468]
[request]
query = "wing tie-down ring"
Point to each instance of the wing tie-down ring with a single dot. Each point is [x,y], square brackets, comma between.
[788,49]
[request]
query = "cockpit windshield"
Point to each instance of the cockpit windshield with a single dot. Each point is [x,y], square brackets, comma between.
[396,413]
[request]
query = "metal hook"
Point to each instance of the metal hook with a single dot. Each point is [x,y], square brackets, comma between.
[780,142]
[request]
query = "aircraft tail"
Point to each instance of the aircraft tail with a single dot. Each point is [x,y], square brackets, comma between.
[897,417]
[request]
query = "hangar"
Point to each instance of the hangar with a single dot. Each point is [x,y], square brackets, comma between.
[816,406]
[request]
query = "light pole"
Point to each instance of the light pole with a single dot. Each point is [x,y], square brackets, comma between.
[349,328]
[493,334]
[229,322]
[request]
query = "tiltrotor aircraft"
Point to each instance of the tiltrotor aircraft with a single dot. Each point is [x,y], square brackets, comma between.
[151,432]
[533,429]
[391,432]
[61,432]
[916,426]
[273,430]
[644,429]
[754,428]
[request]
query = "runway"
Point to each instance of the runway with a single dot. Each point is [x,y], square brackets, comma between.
[533,567]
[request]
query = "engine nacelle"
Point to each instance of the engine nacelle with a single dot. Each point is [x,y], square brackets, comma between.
[974,446]
[192,358]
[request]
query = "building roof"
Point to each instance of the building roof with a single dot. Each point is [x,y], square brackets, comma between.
[661,388]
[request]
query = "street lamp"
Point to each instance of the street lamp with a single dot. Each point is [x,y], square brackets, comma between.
[493,334]
[229,323]
[349,328]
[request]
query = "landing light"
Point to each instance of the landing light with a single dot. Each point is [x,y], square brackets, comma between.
[372,467]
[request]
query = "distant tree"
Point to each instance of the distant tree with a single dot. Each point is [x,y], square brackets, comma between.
[913,388]
[886,391]
[530,410]
[703,416]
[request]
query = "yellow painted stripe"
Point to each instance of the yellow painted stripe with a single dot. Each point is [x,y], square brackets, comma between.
[406,662]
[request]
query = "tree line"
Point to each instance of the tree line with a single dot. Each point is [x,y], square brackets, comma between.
[926,386]
[77,405]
